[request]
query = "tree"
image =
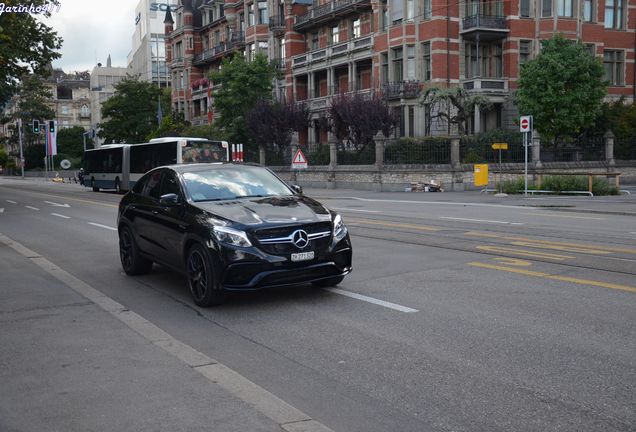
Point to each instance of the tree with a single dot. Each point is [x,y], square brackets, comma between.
[4,158]
[272,122]
[172,125]
[243,83]
[562,88]
[454,105]
[33,98]
[357,119]
[27,45]
[131,113]
[70,141]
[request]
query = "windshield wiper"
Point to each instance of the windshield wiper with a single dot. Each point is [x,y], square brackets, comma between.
[252,196]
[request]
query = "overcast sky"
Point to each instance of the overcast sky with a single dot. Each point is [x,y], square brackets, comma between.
[91,30]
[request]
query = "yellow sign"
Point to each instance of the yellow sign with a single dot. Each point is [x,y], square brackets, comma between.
[500,146]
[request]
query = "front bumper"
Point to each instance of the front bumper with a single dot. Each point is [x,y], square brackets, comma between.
[253,270]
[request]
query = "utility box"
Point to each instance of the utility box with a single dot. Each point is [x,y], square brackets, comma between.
[481,174]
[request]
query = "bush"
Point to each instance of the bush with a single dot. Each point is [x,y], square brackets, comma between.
[577,183]
[320,156]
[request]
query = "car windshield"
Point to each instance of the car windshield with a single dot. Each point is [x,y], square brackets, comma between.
[233,182]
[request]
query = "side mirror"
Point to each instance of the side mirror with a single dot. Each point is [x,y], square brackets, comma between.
[169,200]
[297,188]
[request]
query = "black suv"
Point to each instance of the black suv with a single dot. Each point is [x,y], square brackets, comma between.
[230,227]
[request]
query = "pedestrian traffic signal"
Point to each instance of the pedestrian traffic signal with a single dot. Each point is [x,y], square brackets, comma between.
[52,126]
[36,126]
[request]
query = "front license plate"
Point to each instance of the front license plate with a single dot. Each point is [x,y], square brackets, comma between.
[302,256]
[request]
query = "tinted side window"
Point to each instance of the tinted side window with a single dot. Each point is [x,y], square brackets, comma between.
[139,186]
[152,187]
[169,184]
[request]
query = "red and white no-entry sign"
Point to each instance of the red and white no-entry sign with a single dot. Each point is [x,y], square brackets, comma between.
[525,123]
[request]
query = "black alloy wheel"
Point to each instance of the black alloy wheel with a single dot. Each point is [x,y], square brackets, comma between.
[325,283]
[201,279]
[131,261]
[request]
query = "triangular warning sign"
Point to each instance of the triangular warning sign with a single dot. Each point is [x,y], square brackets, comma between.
[299,160]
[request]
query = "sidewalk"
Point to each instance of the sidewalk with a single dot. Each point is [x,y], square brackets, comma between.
[70,365]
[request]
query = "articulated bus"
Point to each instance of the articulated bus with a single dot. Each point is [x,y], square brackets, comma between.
[119,166]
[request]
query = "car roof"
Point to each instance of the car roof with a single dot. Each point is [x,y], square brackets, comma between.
[193,167]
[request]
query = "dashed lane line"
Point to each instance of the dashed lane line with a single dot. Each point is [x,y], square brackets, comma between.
[11,201]
[372,300]
[33,208]
[60,216]
[480,220]
[102,226]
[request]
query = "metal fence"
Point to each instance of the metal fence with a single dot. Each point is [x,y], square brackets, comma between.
[625,148]
[317,154]
[414,152]
[478,149]
[588,148]
[353,156]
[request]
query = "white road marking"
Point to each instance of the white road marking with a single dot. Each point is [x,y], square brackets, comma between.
[57,204]
[61,216]
[429,203]
[375,301]
[563,216]
[354,210]
[481,220]
[102,226]
[33,208]
[12,202]
[2,210]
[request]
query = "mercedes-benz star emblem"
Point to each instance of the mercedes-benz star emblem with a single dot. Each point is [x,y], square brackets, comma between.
[300,239]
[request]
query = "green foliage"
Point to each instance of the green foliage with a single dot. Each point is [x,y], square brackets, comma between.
[514,186]
[428,150]
[171,126]
[561,184]
[4,158]
[454,105]
[34,156]
[562,88]
[131,114]
[477,148]
[70,141]
[617,116]
[27,45]
[320,156]
[272,122]
[32,105]
[243,83]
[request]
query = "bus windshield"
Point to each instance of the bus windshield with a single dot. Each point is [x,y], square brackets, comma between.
[203,151]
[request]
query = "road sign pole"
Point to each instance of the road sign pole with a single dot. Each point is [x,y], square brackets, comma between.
[500,174]
[21,152]
[525,147]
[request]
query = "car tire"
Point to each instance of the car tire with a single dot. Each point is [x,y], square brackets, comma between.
[117,186]
[201,280]
[95,188]
[131,260]
[325,283]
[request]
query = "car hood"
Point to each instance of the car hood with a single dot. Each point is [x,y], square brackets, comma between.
[269,210]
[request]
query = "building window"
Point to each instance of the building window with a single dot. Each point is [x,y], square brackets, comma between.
[397,11]
[384,68]
[410,10]
[178,51]
[614,63]
[250,15]
[263,47]
[334,34]
[588,10]
[85,111]
[411,110]
[591,49]
[398,74]
[190,43]
[525,50]
[470,61]
[546,8]
[251,51]
[524,8]
[314,41]
[262,13]
[355,28]
[427,9]
[426,69]
[614,14]
[64,109]
[564,8]
[410,63]
[242,22]
[384,19]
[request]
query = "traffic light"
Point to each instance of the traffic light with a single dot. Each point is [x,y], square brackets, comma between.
[52,126]
[36,126]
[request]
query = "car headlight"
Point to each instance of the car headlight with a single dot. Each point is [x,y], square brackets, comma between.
[339,228]
[231,236]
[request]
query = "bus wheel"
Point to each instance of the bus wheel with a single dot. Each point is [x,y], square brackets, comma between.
[95,188]
[117,186]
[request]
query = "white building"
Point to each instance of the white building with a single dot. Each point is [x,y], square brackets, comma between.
[148,55]
[103,80]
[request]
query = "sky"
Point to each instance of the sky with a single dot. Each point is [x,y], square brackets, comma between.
[91,30]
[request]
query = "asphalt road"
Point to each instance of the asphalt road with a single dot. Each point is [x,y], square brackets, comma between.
[464,312]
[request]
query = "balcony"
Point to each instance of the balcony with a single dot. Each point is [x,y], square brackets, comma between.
[401,89]
[363,43]
[328,12]
[486,85]
[484,27]
[277,24]
[176,62]
[278,63]
[236,40]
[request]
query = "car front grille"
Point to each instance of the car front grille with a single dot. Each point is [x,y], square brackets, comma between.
[279,240]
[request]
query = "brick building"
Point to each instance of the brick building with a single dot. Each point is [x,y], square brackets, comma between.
[395,47]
